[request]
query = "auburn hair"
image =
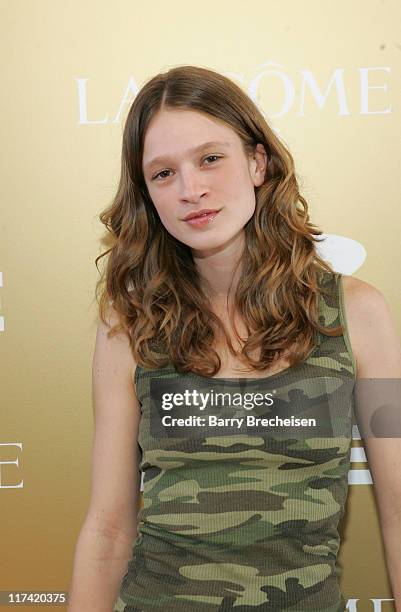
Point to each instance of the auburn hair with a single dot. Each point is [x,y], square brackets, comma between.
[150,278]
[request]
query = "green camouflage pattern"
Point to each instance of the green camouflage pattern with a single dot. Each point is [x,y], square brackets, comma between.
[247,522]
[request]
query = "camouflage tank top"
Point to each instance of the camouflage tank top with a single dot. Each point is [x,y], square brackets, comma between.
[238,516]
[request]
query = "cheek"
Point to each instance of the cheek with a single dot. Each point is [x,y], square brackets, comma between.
[243,191]
[160,203]
[248,203]
[167,214]
[237,181]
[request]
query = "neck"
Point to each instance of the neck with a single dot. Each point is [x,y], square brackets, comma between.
[220,269]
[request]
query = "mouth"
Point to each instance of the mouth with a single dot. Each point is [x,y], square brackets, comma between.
[202,218]
[204,211]
[201,213]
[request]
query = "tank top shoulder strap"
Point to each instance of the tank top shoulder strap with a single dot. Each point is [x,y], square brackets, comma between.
[332,309]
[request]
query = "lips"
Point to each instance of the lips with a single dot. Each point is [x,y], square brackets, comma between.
[203,220]
[201,213]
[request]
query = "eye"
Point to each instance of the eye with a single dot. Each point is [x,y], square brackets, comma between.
[156,175]
[216,156]
[163,171]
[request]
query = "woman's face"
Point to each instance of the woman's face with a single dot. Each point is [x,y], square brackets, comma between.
[190,175]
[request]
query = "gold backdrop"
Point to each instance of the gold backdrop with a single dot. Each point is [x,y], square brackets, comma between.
[327,77]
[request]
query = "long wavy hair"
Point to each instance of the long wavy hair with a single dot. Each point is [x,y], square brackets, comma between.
[150,278]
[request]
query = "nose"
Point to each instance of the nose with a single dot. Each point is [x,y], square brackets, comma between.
[191,188]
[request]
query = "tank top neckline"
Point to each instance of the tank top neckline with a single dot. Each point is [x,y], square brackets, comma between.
[235,380]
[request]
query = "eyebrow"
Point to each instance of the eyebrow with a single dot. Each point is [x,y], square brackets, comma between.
[212,143]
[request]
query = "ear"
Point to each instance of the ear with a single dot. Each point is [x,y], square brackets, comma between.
[258,165]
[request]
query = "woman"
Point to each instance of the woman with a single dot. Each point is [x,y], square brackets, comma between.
[233,519]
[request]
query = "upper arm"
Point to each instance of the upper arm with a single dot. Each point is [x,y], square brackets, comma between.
[115,477]
[377,350]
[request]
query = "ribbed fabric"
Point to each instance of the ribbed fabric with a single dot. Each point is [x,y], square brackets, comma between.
[245,519]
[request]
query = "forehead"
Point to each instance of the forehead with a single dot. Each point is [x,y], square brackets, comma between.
[178,132]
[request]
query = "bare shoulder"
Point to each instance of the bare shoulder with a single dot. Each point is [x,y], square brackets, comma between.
[117,345]
[358,291]
[372,329]
[364,303]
